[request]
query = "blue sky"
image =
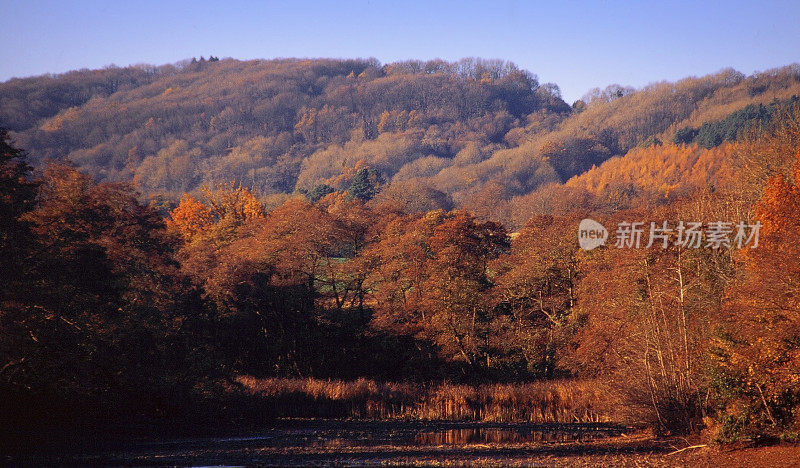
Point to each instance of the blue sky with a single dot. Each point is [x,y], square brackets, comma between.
[577,45]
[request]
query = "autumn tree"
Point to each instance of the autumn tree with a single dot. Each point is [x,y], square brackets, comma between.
[645,317]
[536,291]
[432,282]
[190,217]
[232,201]
[757,353]
[458,283]
[103,306]
[414,197]
[17,196]
[264,273]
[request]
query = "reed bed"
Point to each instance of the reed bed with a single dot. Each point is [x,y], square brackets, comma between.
[557,401]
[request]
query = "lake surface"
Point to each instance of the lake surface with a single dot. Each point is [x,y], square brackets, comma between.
[344,442]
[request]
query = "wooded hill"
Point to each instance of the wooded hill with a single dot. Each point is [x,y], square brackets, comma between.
[478,134]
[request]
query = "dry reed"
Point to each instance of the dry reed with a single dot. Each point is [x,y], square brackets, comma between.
[555,401]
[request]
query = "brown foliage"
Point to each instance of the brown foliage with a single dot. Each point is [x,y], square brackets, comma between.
[539,402]
[762,321]
[431,280]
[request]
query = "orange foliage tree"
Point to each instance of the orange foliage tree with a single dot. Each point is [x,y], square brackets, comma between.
[535,288]
[190,217]
[432,280]
[759,350]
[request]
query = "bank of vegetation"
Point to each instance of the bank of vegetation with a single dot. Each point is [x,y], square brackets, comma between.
[292,290]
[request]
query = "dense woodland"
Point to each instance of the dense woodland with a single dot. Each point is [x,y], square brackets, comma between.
[476,134]
[170,231]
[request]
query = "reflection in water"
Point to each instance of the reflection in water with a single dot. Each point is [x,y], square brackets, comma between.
[436,434]
[346,442]
[494,435]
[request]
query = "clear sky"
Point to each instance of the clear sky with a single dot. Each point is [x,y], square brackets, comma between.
[577,45]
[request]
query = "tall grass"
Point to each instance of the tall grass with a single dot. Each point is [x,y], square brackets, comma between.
[539,402]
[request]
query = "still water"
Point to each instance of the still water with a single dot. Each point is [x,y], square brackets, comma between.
[325,442]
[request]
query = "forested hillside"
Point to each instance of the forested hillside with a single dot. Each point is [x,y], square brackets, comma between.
[218,229]
[477,134]
[274,125]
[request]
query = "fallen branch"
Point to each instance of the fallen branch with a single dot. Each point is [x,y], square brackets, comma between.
[687,448]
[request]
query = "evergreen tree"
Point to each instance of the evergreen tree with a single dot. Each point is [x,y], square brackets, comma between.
[365,184]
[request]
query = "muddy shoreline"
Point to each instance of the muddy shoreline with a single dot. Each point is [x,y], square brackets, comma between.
[341,442]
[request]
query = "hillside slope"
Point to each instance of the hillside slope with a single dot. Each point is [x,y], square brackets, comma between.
[474,133]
